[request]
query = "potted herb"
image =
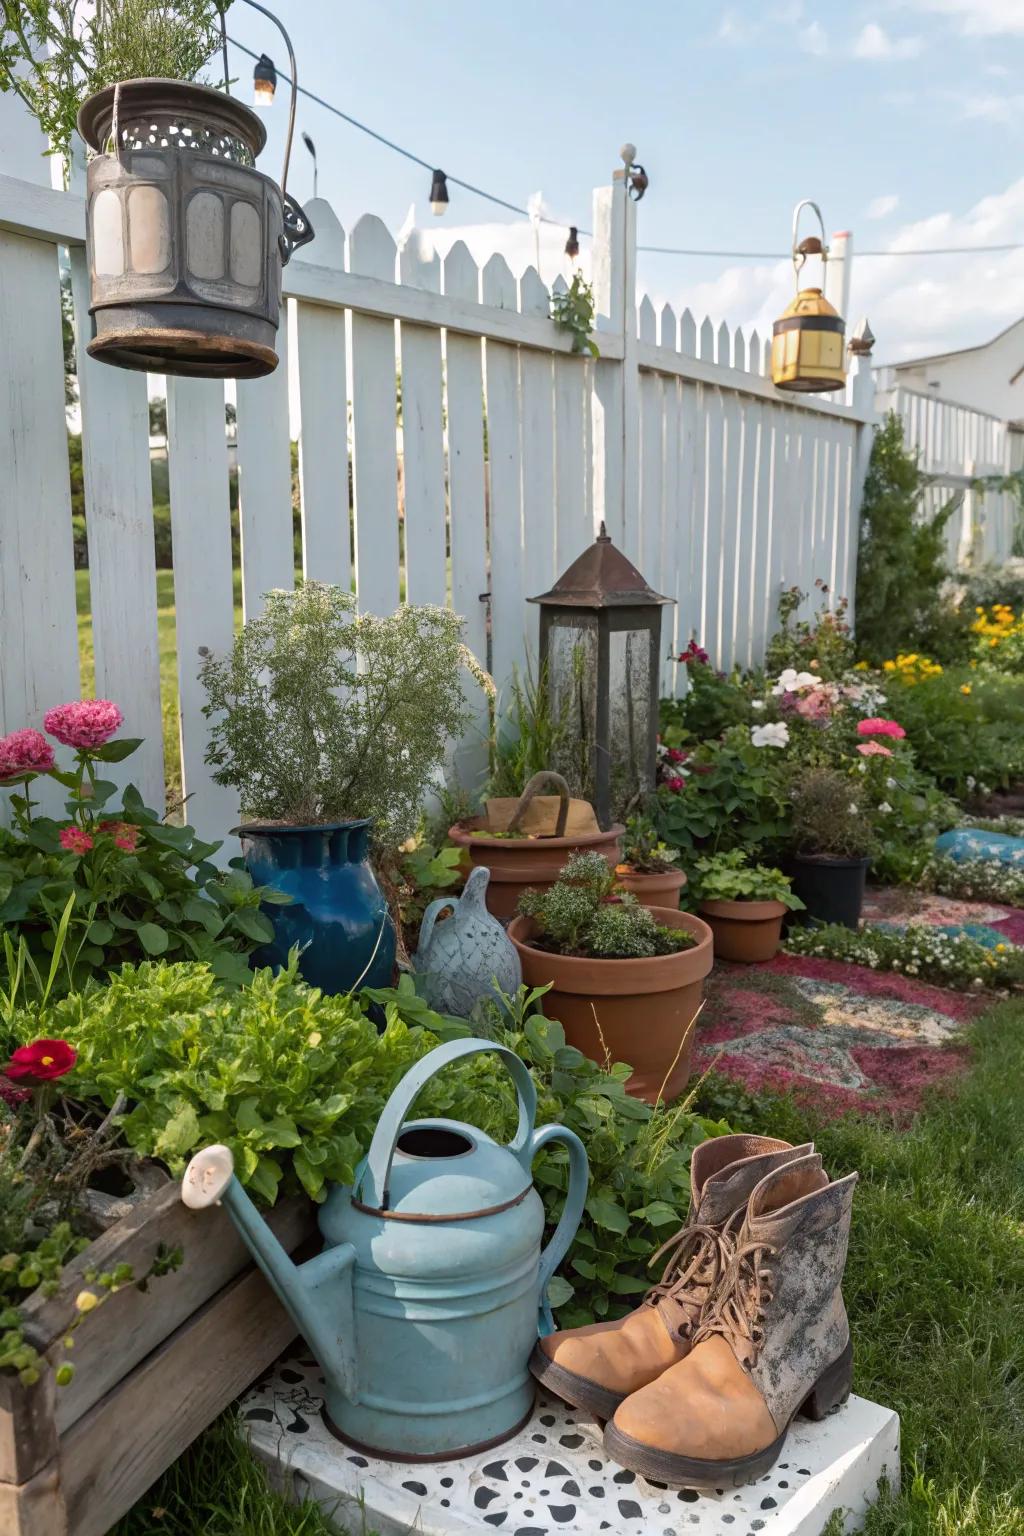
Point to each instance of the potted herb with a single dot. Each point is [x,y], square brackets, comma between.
[526,843]
[626,979]
[648,869]
[832,842]
[185,238]
[330,725]
[744,905]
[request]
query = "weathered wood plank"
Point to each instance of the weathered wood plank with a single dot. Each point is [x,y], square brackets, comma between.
[115,1452]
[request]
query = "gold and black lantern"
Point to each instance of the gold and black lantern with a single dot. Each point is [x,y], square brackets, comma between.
[600,660]
[807,340]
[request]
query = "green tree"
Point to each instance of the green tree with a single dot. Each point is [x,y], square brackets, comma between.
[901,563]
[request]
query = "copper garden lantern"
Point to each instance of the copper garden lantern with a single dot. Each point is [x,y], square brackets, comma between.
[807,340]
[600,657]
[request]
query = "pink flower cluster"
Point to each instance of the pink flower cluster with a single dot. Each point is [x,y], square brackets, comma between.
[879,727]
[86,724]
[75,840]
[22,752]
[873,749]
[124,833]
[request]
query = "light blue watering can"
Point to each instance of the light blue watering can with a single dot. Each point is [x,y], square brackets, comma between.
[428,1297]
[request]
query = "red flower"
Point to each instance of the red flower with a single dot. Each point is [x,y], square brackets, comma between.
[676,755]
[12,1096]
[694,652]
[74,840]
[879,727]
[41,1061]
[124,833]
[675,785]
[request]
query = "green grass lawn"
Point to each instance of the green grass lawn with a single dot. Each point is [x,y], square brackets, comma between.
[934,1287]
[935,1283]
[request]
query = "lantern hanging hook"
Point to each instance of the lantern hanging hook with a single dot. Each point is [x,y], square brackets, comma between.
[811,245]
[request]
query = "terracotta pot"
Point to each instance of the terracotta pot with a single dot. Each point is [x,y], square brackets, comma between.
[660,890]
[746,931]
[516,863]
[644,1008]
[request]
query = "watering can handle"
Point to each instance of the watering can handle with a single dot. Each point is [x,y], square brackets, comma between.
[373,1187]
[558,1245]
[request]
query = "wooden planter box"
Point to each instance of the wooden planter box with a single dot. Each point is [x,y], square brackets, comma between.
[152,1369]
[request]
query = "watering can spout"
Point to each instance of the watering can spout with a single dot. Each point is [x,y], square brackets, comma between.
[317,1295]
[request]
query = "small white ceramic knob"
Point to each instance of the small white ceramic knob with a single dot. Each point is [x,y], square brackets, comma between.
[207,1177]
[627,154]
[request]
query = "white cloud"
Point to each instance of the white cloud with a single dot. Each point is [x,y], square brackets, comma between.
[879,207]
[981,18]
[916,305]
[874,43]
[992,108]
[813,39]
[733,29]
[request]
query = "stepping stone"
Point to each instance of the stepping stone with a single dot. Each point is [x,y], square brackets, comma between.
[828,1466]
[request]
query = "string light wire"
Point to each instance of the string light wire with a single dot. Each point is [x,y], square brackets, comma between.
[650,250]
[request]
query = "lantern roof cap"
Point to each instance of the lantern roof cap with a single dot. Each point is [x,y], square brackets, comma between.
[601,577]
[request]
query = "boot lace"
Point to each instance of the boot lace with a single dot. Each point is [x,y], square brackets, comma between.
[736,1310]
[698,1255]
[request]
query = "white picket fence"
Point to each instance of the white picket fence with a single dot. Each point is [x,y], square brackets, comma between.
[511,450]
[957,447]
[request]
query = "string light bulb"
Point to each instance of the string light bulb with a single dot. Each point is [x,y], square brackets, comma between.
[264,82]
[439,194]
[572,245]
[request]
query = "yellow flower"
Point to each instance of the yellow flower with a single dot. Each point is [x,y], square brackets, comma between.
[1000,948]
[965,687]
[85,1301]
[862,666]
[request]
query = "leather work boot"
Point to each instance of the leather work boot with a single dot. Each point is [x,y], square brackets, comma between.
[597,1366]
[773,1342]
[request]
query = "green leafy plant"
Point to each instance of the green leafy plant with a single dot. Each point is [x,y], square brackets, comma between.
[713,702]
[731,877]
[579,915]
[114,883]
[966,726]
[950,960]
[974,879]
[643,850]
[901,560]
[572,310]
[531,737]
[830,816]
[733,795]
[322,714]
[55,53]
[823,645]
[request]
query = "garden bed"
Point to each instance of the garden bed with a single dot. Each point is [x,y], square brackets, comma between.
[151,1369]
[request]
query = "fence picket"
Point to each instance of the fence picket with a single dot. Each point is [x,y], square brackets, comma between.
[508,610]
[323,414]
[122,566]
[537,384]
[467,498]
[687,334]
[37,579]
[374,447]
[423,434]
[265,482]
[197,464]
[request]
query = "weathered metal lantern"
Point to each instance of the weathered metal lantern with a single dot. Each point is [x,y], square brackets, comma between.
[807,340]
[185,238]
[600,656]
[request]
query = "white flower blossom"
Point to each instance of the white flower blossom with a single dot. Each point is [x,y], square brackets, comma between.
[885,808]
[757,704]
[774,734]
[891,783]
[790,680]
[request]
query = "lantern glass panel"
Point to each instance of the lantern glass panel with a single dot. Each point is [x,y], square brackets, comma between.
[572,693]
[630,710]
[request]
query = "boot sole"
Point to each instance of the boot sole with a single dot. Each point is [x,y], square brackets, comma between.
[578,1391]
[829,1392]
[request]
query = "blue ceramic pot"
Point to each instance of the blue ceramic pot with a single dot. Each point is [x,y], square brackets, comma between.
[337,909]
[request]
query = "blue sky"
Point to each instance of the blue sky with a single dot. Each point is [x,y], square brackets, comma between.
[903,118]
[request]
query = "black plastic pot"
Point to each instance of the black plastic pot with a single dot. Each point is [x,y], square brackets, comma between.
[832,890]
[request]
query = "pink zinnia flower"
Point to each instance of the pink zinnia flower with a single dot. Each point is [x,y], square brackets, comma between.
[84,724]
[879,727]
[873,749]
[74,840]
[124,833]
[25,751]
